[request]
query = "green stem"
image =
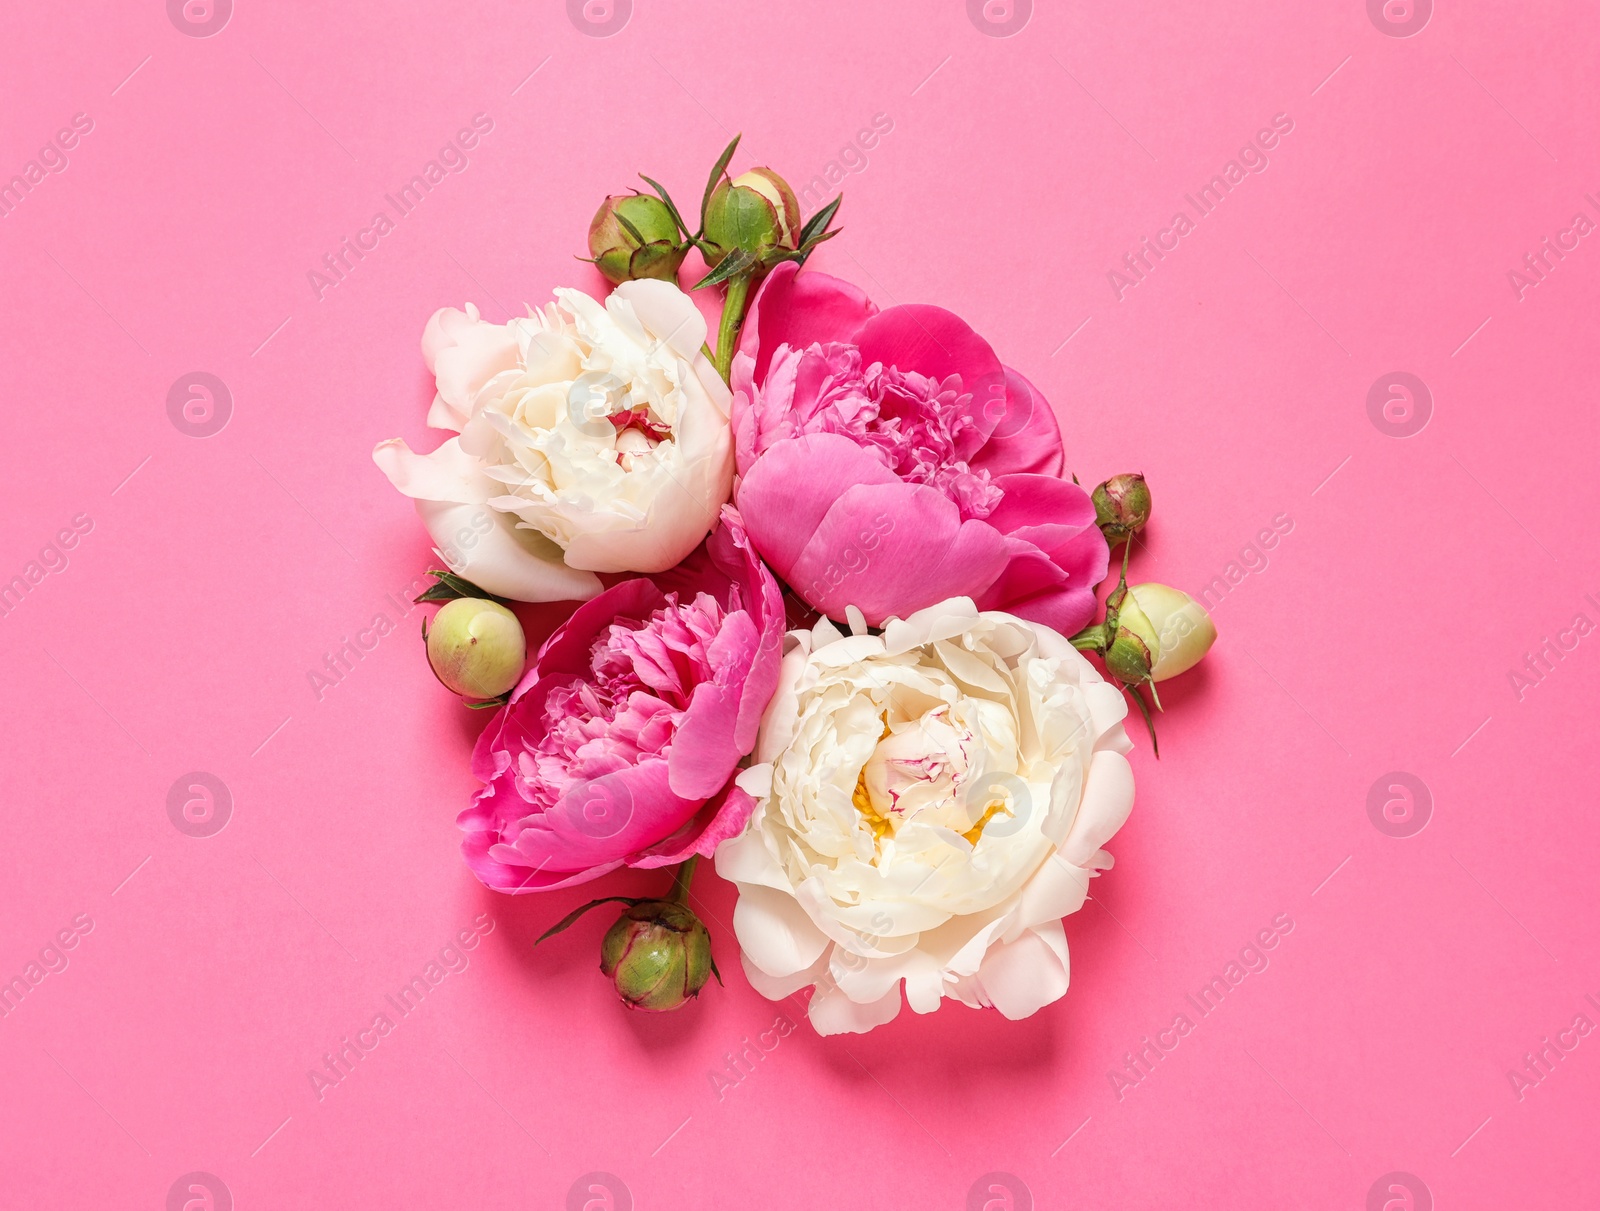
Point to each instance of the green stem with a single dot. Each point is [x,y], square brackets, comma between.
[681,879]
[1092,638]
[734,303]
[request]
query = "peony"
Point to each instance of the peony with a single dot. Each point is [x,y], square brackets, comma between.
[620,744]
[592,439]
[887,460]
[933,802]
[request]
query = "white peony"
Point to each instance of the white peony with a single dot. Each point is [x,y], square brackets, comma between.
[931,803]
[592,439]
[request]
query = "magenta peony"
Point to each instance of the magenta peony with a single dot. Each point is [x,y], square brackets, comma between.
[621,743]
[887,460]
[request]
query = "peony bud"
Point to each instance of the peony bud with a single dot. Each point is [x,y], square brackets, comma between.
[1160,633]
[476,648]
[756,211]
[658,955]
[1121,506]
[620,254]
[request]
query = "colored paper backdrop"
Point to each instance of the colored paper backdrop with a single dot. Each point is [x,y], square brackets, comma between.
[1359,375]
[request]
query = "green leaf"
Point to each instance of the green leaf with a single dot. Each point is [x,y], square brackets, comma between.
[818,222]
[490,703]
[638,236]
[805,249]
[716,175]
[450,586]
[672,207]
[1144,709]
[735,262]
[571,918]
[714,971]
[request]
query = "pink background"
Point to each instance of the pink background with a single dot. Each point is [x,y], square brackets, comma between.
[1378,635]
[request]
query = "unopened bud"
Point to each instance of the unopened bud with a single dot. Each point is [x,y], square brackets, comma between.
[1160,631]
[755,211]
[476,648]
[1121,506]
[622,254]
[658,955]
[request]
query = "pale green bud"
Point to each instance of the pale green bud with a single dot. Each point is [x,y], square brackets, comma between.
[477,648]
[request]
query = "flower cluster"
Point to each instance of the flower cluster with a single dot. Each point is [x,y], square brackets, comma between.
[831,592]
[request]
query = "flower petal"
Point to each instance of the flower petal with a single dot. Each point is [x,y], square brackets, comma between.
[774,931]
[832,1012]
[938,343]
[892,549]
[488,548]
[1107,802]
[722,817]
[786,495]
[798,310]
[1026,436]
[1019,978]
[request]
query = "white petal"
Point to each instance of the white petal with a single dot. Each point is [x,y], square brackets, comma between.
[1020,978]
[834,1013]
[775,988]
[665,312]
[1107,800]
[774,931]
[1107,708]
[485,547]
[1056,889]
[448,473]
[946,620]
[747,859]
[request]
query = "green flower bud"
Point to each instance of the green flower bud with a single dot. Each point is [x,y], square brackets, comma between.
[1184,631]
[1121,506]
[1134,646]
[658,955]
[620,254]
[476,648]
[756,211]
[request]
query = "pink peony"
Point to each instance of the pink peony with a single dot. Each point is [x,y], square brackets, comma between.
[887,460]
[621,743]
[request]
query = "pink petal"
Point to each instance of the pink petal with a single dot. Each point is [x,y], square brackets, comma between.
[703,753]
[791,488]
[1026,436]
[938,343]
[892,549]
[719,819]
[801,309]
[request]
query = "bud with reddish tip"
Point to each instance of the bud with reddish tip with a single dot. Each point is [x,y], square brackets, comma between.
[658,955]
[755,211]
[636,236]
[476,648]
[1121,506]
